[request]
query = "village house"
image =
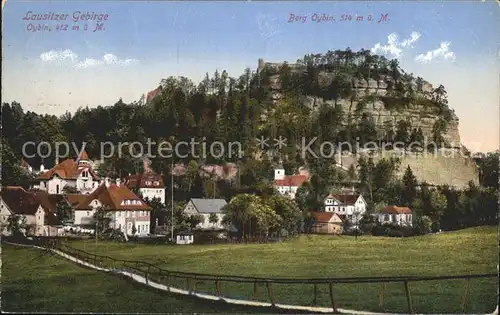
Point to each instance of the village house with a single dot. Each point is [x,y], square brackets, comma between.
[206,208]
[326,223]
[39,216]
[149,184]
[125,209]
[78,174]
[396,215]
[287,185]
[350,206]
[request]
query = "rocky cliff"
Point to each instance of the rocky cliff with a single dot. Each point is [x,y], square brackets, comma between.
[455,169]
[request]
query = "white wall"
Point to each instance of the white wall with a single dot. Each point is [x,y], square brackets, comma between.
[153,193]
[185,239]
[399,219]
[289,191]
[4,215]
[331,205]
[205,224]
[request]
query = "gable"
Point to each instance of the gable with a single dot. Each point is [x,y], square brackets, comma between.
[361,199]
[4,209]
[190,208]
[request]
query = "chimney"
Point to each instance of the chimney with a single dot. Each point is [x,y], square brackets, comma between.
[57,159]
[118,182]
[42,168]
[106,181]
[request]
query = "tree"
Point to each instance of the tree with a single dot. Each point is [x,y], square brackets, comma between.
[488,169]
[64,212]
[213,219]
[410,186]
[16,225]
[158,212]
[102,219]
[423,224]
[402,132]
[134,229]
[438,203]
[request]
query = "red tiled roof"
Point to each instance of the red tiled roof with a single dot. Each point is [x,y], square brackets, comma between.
[294,181]
[19,200]
[322,217]
[396,210]
[84,155]
[75,199]
[68,169]
[112,197]
[345,199]
[145,180]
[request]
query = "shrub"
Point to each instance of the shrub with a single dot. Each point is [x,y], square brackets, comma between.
[395,233]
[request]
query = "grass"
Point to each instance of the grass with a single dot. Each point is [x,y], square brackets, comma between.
[469,251]
[34,281]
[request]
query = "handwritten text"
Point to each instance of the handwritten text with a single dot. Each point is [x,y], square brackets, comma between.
[325,18]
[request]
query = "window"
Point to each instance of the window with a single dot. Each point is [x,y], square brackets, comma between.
[157,183]
[57,189]
[386,217]
[88,213]
[139,228]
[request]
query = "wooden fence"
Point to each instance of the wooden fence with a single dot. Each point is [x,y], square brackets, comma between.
[191,280]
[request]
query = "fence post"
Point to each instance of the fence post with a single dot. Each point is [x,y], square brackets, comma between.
[466,292]
[146,273]
[168,281]
[270,293]
[332,297]
[314,301]
[408,297]
[381,297]
[188,286]
[217,287]
[254,290]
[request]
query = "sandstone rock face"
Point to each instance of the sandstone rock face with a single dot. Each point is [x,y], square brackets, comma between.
[445,167]
[441,168]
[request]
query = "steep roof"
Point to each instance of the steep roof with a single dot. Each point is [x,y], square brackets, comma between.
[145,180]
[112,197]
[396,210]
[68,169]
[324,217]
[293,180]
[345,199]
[19,200]
[208,205]
[83,156]
[75,199]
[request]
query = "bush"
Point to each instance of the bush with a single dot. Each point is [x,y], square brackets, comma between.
[395,233]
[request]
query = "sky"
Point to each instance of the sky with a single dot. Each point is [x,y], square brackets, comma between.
[455,44]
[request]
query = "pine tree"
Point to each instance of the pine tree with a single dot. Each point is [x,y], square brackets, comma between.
[410,186]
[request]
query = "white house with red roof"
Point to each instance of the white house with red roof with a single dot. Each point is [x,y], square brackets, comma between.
[287,185]
[125,208]
[395,215]
[149,184]
[346,205]
[78,174]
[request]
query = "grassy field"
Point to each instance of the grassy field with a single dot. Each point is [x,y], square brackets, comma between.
[469,251]
[33,281]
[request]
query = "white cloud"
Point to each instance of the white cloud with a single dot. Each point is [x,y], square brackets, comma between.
[443,52]
[107,59]
[393,48]
[58,56]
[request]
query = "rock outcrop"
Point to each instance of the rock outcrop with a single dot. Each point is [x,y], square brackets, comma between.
[441,168]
